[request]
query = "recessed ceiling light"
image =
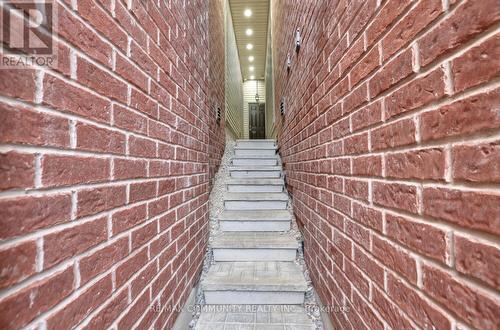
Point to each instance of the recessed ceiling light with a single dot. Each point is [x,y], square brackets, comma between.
[249,46]
[251,68]
[247,12]
[252,77]
[250,58]
[249,32]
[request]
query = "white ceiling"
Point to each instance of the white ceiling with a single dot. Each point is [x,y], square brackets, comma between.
[258,23]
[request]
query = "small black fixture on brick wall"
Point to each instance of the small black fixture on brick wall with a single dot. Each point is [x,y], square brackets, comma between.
[282,106]
[298,40]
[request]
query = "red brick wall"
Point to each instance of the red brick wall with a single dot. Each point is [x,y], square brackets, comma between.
[106,165]
[392,151]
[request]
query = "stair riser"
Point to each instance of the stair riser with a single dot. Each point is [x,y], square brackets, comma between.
[254,188]
[254,254]
[255,205]
[255,161]
[255,145]
[254,297]
[256,174]
[254,225]
[255,152]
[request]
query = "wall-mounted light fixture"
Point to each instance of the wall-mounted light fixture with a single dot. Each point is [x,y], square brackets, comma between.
[282,106]
[288,62]
[298,40]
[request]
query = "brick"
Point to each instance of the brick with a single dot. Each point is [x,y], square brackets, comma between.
[367,264]
[17,170]
[472,114]
[128,218]
[100,81]
[365,311]
[355,99]
[82,37]
[69,242]
[130,72]
[143,279]
[86,302]
[357,279]
[74,100]
[423,164]
[395,195]
[390,312]
[18,83]
[103,22]
[367,165]
[396,134]
[140,147]
[144,234]
[419,17]
[365,66]
[95,200]
[415,94]
[136,311]
[105,317]
[143,103]
[130,267]
[60,170]
[24,305]
[469,19]
[357,233]
[17,262]
[395,258]
[356,144]
[366,116]
[423,238]
[129,120]
[23,125]
[418,308]
[23,215]
[103,259]
[129,169]
[356,189]
[142,191]
[391,73]
[477,65]
[367,216]
[386,16]
[476,163]
[99,139]
[465,301]
[478,260]
[468,209]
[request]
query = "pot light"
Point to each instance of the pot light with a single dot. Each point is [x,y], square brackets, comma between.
[250,58]
[249,32]
[252,77]
[249,46]
[247,12]
[251,68]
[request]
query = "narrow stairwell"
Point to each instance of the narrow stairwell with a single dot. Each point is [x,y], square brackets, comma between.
[254,282]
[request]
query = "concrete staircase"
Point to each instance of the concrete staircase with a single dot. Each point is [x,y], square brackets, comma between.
[254,254]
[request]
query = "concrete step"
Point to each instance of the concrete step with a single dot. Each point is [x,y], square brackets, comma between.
[255,171]
[268,317]
[255,220]
[254,246]
[253,160]
[262,151]
[255,185]
[254,283]
[255,201]
[256,144]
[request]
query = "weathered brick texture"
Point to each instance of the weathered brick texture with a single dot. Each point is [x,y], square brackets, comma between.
[106,165]
[391,148]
